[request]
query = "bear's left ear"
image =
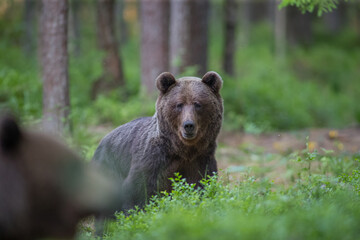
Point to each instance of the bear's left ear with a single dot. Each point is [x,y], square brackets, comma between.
[164,81]
[10,134]
[213,80]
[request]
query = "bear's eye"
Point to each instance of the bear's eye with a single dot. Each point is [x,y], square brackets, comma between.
[197,105]
[179,106]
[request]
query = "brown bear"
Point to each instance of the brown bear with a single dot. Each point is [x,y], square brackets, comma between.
[181,137]
[45,189]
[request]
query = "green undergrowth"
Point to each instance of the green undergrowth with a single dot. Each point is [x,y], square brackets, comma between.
[315,206]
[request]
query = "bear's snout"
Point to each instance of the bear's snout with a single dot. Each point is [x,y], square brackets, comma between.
[189,128]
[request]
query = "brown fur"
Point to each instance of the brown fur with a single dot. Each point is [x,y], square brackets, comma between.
[45,189]
[181,137]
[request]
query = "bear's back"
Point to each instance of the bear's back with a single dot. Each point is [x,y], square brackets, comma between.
[117,148]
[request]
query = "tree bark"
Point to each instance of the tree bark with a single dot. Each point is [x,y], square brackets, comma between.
[75,26]
[180,39]
[299,26]
[336,20]
[199,35]
[230,15]
[121,24]
[280,32]
[113,76]
[29,27]
[188,35]
[154,41]
[54,56]
[259,10]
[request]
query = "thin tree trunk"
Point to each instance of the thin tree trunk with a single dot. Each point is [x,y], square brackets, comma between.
[280,32]
[336,20]
[188,35]
[75,26]
[54,56]
[259,10]
[180,38]
[113,75]
[299,26]
[244,33]
[230,14]
[121,24]
[154,41]
[199,35]
[29,27]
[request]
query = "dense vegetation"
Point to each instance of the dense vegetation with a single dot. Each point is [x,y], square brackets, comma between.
[319,200]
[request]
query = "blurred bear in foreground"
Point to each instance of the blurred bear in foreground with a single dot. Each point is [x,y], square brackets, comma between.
[45,189]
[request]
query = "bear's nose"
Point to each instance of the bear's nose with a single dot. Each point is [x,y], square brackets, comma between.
[189,126]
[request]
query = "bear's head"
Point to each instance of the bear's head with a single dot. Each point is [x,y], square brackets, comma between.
[190,107]
[45,188]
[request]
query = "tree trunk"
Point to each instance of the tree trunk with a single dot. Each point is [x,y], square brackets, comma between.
[154,41]
[188,35]
[280,32]
[113,76]
[54,56]
[259,10]
[299,26]
[75,26]
[244,31]
[199,35]
[29,27]
[336,20]
[121,24]
[230,15]
[180,39]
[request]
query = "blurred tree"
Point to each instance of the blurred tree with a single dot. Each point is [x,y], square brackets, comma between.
[335,20]
[244,22]
[29,26]
[75,26]
[188,35]
[299,26]
[54,59]
[230,15]
[113,76]
[280,32]
[260,10]
[154,41]
[120,21]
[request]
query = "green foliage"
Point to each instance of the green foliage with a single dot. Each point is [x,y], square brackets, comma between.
[322,6]
[314,207]
[353,179]
[313,87]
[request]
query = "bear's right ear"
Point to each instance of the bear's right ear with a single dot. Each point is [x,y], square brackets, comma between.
[10,134]
[213,80]
[164,81]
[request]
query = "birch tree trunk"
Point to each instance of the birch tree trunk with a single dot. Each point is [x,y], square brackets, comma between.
[54,58]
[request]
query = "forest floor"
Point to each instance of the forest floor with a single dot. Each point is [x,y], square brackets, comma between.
[267,155]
